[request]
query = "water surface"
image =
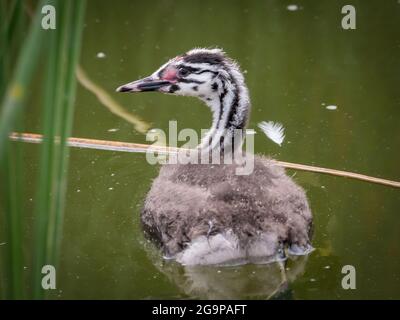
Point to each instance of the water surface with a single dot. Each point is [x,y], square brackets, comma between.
[296,63]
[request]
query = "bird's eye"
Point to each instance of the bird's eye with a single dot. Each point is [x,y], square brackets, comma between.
[183,72]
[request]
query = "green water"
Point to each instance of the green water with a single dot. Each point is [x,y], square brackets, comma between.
[296,63]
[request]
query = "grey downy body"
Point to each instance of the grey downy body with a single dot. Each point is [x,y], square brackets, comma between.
[208,214]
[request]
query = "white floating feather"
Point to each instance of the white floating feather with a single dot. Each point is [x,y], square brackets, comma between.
[274,131]
[331,107]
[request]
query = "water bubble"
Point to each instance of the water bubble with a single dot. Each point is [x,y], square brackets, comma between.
[292,7]
[100,55]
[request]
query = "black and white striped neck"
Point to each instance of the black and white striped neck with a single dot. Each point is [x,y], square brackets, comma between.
[230,106]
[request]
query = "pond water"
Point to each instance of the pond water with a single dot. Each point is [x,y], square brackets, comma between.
[337,94]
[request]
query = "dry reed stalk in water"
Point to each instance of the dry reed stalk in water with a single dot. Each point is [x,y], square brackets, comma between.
[139,147]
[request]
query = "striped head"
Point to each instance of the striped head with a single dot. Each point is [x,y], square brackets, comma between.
[207,74]
[201,73]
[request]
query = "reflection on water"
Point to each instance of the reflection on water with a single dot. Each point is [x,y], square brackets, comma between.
[263,281]
[296,62]
[106,100]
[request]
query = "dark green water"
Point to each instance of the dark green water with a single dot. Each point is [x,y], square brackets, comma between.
[296,63]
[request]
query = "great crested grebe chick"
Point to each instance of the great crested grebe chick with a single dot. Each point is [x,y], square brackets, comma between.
[207,214]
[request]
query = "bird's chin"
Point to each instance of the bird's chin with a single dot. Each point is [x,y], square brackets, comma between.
[165,89]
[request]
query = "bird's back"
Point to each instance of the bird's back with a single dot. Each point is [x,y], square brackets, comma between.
[207,214]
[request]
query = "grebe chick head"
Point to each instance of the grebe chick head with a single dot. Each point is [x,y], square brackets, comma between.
[208,74]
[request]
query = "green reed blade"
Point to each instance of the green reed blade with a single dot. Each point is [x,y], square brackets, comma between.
[13,219]
[58,108]
[74,46]
[49,151]
[12,24]
[59,94]
[14,98]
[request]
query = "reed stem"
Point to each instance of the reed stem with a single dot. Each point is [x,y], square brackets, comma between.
[58,116]
[13,93]
[143,148]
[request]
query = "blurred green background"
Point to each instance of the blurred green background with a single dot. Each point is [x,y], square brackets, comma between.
[296,62]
